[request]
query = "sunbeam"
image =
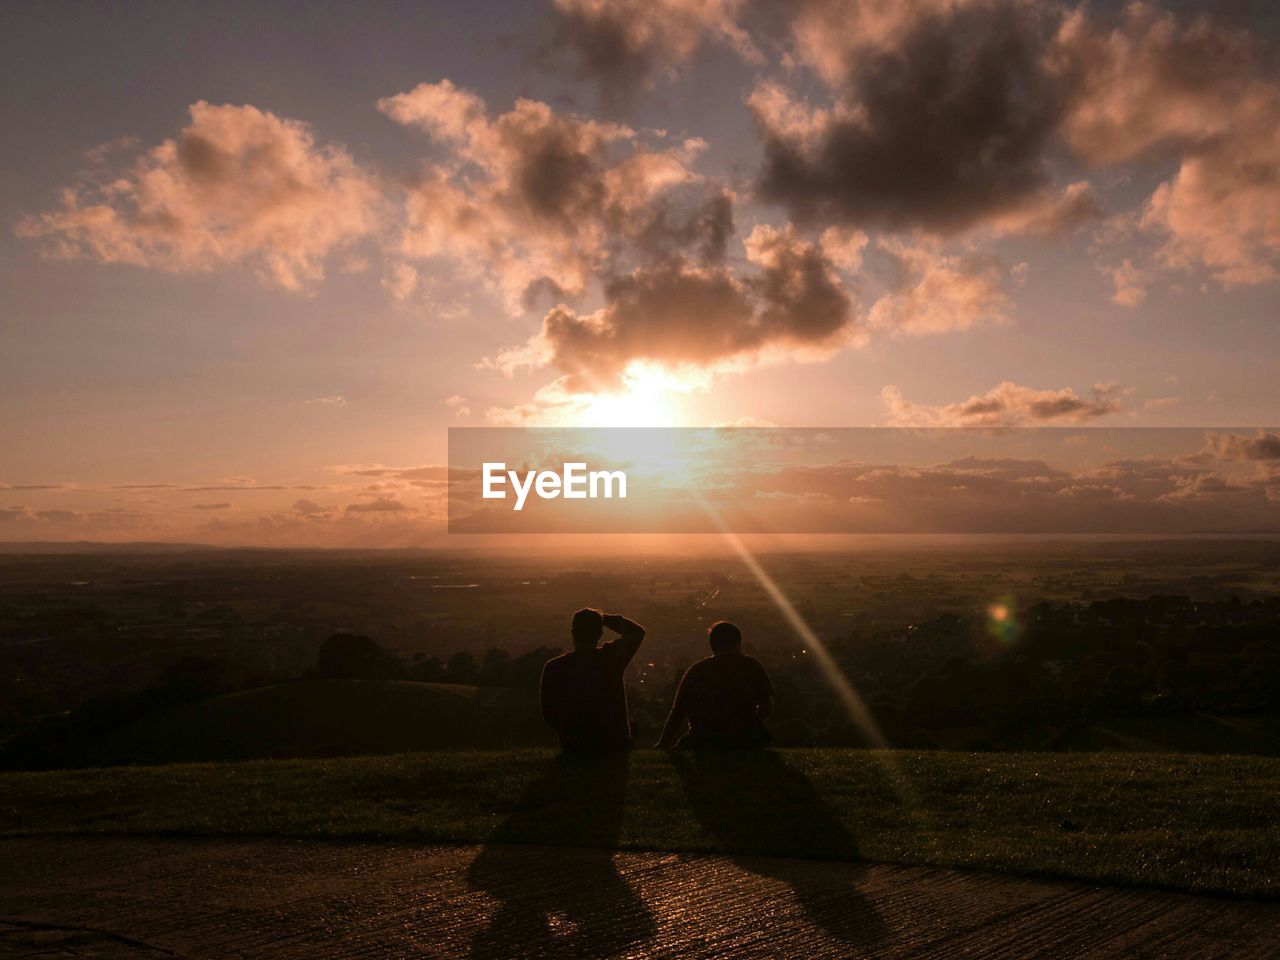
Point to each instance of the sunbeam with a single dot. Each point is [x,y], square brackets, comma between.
[853,703]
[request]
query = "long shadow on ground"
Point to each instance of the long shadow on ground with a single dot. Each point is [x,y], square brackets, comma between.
[582,907]
[752,802]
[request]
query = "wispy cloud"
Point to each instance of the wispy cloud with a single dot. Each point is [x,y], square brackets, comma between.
[1007,404]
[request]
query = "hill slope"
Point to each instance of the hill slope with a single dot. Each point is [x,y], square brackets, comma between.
[307,718]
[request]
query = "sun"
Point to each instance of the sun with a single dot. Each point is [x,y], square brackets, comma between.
[648,399]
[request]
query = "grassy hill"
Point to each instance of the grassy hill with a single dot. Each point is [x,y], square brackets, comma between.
[308,718]
[1200,823]
[1257,734]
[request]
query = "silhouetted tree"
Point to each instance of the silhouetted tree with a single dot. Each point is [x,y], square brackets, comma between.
[493,667]
[462,668]
[426,668]
[353,656]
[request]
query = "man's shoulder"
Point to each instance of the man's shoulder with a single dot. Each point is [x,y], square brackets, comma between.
[702,666]
[558,662]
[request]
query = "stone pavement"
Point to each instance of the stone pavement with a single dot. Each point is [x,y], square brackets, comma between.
[128,897]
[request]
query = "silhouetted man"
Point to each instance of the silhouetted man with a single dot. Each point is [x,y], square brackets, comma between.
[582,692]
[725,698]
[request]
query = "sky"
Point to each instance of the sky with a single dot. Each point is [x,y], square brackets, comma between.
[256,258]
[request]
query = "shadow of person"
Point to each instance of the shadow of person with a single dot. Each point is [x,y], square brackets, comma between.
[756,807]
[572,904]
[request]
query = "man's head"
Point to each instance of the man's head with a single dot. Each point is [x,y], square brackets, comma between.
[724,637]
[588,627]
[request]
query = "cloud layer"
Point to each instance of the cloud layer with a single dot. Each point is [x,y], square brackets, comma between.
[945,115]
[679,314]
[238,185]
[627,44]
[940,115]
[897,144]
[540,201]
[1006,404]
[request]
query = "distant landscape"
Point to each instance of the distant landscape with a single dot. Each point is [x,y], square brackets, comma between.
[169,654]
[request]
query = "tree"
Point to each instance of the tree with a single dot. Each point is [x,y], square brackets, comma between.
[462,668]
[353,656]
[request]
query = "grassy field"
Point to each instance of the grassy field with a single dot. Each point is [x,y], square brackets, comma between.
[1197,823]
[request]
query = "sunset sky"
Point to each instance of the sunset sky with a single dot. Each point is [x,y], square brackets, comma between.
[258,257]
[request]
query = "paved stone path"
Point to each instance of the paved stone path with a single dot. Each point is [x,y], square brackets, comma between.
[134,898]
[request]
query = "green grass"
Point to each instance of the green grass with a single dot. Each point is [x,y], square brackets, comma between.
[1198,823]
[1192,733]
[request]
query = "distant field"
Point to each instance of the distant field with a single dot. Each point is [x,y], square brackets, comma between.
[1198,823]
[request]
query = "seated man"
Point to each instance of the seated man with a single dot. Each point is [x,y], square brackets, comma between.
[582,692]
[725,698]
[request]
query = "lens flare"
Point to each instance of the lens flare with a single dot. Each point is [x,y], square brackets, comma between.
[1002,622]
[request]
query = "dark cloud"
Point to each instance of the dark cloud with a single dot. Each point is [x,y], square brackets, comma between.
[211,506]
[801,298]
[703,228]
[540,201]
[680,314]
[1262,446]
[651,314]
[943,115]
[940,124]
[624,45]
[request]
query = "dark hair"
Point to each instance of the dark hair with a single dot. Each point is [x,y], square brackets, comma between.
[588,625]
[724,636]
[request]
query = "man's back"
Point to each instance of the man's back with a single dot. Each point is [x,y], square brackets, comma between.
[583,697]
[722,696]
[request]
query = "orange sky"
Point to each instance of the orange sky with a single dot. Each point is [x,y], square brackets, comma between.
[259,258]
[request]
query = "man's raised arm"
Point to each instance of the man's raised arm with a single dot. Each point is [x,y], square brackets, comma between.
[630,634]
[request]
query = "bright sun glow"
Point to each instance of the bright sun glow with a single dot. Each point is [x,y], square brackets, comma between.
[648,400]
